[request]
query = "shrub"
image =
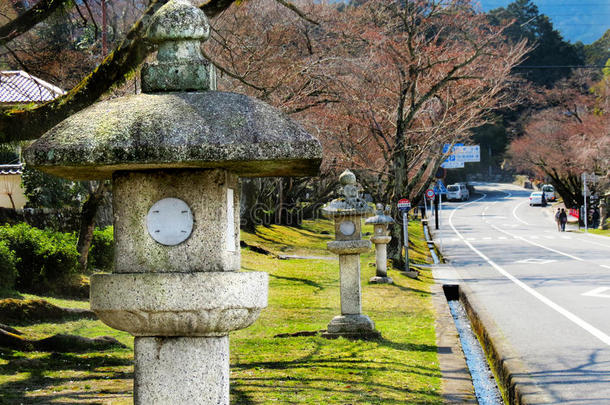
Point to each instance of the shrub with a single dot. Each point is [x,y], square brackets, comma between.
[101,255]
[8,269]
[42,256]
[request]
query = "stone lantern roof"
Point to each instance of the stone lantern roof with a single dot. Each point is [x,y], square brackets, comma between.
[179,121]
[380,218]
[351,203]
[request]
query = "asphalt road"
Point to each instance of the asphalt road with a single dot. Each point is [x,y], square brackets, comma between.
[548,292]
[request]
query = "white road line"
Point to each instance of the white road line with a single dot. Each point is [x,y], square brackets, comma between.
[583,324]
[515,210]
[597,292]
[596,243]
[537,244]
[604,266]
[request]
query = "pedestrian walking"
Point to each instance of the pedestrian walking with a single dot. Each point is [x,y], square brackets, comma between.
[563,219]
[557,221]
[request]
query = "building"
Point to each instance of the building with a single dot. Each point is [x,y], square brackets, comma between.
[19,87]
[11,192]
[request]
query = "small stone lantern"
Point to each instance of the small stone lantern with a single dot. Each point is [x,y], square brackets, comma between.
[174,154]
[381,239]
[347,213]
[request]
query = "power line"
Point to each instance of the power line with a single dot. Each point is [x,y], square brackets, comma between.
[539,5]
[561,67]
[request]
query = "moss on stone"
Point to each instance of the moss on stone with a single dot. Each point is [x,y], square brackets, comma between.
[198,130]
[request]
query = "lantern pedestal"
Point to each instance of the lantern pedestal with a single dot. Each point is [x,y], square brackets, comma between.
[181,370]
[381,239]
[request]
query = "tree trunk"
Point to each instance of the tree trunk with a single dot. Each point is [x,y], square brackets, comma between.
[279,209]
[28,18]
[19,123]
[397,191]
[87,223]
[248,203]
[10,197]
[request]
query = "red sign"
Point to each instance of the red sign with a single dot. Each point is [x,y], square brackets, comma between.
[575,213]
[404,203]
[430,193]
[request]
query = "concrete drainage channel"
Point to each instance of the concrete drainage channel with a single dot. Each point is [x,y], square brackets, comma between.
[485,386]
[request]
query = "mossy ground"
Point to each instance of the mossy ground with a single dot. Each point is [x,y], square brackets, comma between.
[400,368]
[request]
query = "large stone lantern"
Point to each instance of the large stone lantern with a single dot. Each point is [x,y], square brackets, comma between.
[174,154]
[347,212]
[381,239]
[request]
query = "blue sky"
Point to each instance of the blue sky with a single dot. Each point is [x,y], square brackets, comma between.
[576,20]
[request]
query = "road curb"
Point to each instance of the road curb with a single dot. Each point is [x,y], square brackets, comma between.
[512,376]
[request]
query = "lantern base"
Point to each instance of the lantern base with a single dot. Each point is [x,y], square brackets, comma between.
[352,327]
[381,280]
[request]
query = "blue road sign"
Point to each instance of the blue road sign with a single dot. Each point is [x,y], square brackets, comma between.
[440,187]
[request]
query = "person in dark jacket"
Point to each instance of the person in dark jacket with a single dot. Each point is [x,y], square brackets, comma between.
[563,219]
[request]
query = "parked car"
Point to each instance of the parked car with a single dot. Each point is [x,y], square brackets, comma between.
[549,192]
[457,191]
[536,198]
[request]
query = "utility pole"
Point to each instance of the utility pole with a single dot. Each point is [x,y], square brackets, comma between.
[584,193]
[489,155]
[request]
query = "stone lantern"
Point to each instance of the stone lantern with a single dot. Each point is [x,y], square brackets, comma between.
[347,212]
[174,154]
[381,239]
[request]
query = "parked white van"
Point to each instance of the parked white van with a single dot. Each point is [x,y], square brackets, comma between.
[549,192]
[457,192]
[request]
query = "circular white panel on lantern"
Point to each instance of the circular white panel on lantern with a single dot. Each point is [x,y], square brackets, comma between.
[170,221]
[347,228]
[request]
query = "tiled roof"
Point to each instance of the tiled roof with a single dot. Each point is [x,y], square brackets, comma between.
[11,169]
[17,86]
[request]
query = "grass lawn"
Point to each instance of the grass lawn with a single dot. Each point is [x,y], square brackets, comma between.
[400,368]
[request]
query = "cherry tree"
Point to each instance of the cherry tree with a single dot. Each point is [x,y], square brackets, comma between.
[565,139]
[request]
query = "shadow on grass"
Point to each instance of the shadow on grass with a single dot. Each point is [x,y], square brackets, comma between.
[409,347]
[311,234]
[239,396]
[352,375]
[50,374]
[409,289]
[305,281]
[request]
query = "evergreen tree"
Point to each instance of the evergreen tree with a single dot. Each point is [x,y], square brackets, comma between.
[550,48]
[599,51]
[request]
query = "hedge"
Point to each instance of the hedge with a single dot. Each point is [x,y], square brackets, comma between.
[101,255]
[42,256]
[8,269]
